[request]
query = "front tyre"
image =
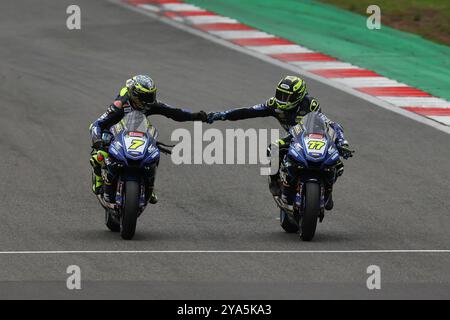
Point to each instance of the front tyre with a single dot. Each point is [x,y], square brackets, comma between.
[130,210]
[311,212]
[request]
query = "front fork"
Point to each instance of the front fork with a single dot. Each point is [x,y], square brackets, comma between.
[299,207]
[120,197]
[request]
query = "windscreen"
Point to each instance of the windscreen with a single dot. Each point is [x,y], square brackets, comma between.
[314,124]
[135,121]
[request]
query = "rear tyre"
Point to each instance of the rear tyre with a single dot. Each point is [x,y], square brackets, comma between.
[130,210]
[110,222]
[311,212]
[287,223]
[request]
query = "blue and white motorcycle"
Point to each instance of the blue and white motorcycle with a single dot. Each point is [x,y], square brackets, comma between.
[315,158]
[133,157]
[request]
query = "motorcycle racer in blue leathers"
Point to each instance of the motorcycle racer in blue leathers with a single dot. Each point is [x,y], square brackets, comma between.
[290,104]
[138,94]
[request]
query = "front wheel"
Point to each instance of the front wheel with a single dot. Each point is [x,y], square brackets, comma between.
[311,212]
[130,210]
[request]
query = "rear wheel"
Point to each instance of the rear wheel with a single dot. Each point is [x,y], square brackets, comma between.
[287,222]
[130,210]
[311,212]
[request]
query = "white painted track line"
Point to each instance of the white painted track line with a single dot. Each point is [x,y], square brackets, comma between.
[276,49]
[149,7]
[417,102]
[241,34]
[209,19]
[443,119]
[181,7]
[324,65]
[226,252]
[359,82]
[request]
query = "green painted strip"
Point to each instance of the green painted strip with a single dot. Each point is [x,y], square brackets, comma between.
[392,53]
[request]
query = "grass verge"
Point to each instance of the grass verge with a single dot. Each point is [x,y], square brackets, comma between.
[428,18]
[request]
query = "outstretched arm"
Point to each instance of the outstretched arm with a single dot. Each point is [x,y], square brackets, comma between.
[175,113]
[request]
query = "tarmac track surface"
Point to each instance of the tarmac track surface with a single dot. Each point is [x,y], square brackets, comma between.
[55,82]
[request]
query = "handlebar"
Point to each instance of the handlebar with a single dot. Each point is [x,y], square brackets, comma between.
[164,148]
[346,152]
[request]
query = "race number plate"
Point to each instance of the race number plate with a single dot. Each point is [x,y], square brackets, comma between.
[315,146]
[135,145]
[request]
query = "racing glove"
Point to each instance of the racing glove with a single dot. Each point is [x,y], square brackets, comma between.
[200,116]
[97,144]
[344,150]
[214,116]
[103,142]
[285,142]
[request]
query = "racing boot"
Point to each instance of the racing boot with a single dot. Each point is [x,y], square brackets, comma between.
[274,185]
[96,161]
[150,187]
[329,203]
[97,184]
[108,193]
[153,198]
[151,195]
[287,197]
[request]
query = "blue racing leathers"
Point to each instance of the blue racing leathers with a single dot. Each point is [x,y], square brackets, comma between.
[123,105]
[287,119]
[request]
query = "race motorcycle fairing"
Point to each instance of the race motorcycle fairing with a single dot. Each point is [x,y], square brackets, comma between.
[314,158]
[133,157]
